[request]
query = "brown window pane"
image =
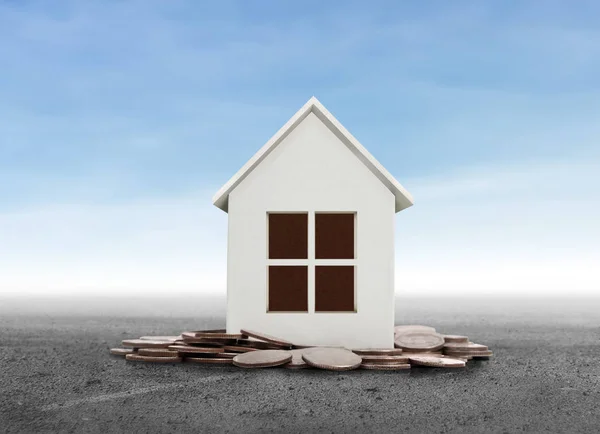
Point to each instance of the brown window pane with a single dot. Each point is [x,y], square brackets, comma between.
[288,288]
[288,236]
[334,236]
[334,288]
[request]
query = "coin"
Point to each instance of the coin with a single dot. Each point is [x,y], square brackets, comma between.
[188,349]
[209,360]
[265,337]
[455,339]
[141,343]
[423,353]
[468,354]
[239,348]
[121,351]
[468,347]
[191,338]
[138,358]
[419,340]
[201,342]
[336,359]
[446,356]
[253,343]
[461,356]
[159,338]
[413,344]
[262,358]
[378,351]
[412,351]
[385,367]
[437,362]
[384,359]
[207,331]
[297,360]
[226,355]
[157,352]
[482,355]
[213,334]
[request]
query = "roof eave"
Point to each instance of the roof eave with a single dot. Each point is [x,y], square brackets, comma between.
[402,203]
[221,202]
[220,199]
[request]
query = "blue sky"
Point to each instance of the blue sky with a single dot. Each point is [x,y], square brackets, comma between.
[119,120]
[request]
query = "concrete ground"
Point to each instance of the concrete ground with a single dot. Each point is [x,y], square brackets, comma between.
[56,375]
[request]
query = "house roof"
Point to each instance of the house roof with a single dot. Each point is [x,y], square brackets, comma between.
[403,197]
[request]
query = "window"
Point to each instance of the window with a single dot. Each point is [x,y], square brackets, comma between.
[288,288]
[334,288]
[311,254]
[287,283]
[334,236]
[288,236]
[335,283]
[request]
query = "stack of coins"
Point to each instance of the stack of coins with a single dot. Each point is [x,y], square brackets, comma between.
[149,349]
[383,359]
[414,345]
[466,349]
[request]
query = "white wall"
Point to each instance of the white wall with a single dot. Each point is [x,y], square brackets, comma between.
[312,170]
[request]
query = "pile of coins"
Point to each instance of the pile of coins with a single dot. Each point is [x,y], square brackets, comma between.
[414,345]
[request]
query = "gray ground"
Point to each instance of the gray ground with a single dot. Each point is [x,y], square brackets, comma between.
[57,376]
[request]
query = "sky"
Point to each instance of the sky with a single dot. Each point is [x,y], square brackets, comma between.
[119,120]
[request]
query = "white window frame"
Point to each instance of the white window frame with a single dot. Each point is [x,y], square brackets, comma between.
[311,262]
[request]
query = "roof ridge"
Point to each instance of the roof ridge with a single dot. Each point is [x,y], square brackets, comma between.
[403,198]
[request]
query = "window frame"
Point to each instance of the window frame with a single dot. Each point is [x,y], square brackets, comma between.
[268,277]
[311,262]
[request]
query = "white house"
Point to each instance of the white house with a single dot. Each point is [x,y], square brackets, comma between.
[310,253]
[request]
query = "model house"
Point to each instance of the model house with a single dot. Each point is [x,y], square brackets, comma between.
[310,249]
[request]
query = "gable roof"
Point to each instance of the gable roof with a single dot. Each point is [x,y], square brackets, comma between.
[403,197]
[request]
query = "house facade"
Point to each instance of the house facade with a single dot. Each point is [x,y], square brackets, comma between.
[310,253]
